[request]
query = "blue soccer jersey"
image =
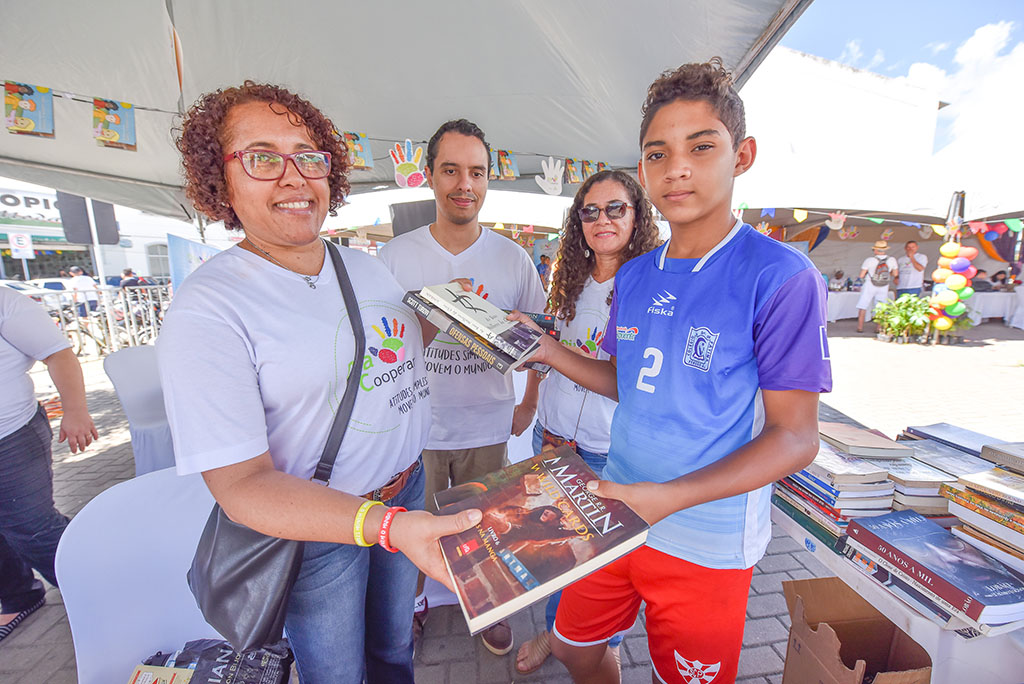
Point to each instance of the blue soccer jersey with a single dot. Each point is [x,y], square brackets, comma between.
[695,342]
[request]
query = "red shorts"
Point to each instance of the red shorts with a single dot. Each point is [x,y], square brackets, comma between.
[694,614]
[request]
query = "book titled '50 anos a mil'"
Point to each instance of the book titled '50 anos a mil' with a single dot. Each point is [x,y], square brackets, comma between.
[542,529]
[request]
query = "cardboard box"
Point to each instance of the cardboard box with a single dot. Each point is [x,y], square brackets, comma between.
[837,637]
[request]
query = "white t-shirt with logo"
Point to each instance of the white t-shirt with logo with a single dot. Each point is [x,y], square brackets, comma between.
[910,277]
[565,408]
[252,359]
[27,335]
[472,402]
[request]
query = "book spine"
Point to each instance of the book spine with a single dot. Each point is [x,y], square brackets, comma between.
[821,484]
[999,495]
[458,333]
[922,575]
[1014,463]
[986,507]
[807,496]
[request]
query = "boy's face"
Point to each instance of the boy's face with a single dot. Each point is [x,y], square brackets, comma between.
[687,164]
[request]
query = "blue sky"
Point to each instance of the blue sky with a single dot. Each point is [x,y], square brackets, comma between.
[887,36]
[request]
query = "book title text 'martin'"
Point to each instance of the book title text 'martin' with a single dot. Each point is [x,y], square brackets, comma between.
[561,484]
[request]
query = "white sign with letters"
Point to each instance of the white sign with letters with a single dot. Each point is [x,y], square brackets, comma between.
[21,246]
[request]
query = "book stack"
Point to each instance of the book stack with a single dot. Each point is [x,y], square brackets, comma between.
[917,488]
[946,458]
[1010,455]
[937,572]
[990,508]
[856,441]
[833,489]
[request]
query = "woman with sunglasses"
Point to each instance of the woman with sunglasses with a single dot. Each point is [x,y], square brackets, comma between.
[254,358]
[609,223]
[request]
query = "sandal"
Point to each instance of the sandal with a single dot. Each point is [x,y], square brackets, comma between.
[6,629]
[533,653]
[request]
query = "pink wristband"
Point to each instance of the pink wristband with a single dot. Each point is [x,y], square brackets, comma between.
[384,536]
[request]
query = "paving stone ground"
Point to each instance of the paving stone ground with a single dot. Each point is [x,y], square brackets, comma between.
[887,386]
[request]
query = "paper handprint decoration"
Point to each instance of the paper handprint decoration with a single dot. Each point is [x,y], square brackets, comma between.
[408,173]
[836,220]
[551,183]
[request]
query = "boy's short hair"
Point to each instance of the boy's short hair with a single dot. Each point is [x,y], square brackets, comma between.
[698,82]
[460,126]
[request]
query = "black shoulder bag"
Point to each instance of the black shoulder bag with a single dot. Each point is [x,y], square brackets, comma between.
[241,578]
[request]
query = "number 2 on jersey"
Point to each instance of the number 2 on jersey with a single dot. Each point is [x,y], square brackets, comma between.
[650,371]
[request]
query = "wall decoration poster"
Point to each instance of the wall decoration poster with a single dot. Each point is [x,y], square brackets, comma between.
[508,167]
[28,109]
[601,166]
[586,168]
[572,173]
[113,124]
[360,156]
[492,173]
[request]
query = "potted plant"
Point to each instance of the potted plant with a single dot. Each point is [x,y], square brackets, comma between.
[960,324]
[885,318]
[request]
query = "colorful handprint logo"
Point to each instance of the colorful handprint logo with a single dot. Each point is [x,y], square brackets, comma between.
[392,349]
[592,343]
[408,173]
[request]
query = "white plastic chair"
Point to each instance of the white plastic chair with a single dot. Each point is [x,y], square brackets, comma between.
[133,371]
[121,565]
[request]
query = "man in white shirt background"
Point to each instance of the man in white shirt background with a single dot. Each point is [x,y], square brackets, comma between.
[474,409]
[878,272]
[911,270]
[83,289]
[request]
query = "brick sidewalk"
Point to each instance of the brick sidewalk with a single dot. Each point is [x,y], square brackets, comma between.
[887,386]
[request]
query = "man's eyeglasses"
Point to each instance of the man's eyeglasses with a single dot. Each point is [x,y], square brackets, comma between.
[615,209]
[269,166]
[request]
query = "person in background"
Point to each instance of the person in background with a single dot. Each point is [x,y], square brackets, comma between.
[475,409]
[254,359]
[129,279]
[610,222]
[999,280]
[911,266]
[84,290]
[30,524]
[544,270]
[980,281]
[880,270]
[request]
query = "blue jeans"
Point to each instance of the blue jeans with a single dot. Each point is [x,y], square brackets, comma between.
[350,611]
[30,525]
[909,290]
[596,462]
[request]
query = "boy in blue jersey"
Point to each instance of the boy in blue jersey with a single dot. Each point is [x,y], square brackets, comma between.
[718,353]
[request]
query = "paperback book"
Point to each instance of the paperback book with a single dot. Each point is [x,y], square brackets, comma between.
[985,507]
[860,442]
[542,529]
[965,440]
[1009,455]
[483,318]
[835,468]
[1004,553]
[1003,485]
[943,565]
[495,357]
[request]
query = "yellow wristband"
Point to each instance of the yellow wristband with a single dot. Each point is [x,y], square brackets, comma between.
[357,526]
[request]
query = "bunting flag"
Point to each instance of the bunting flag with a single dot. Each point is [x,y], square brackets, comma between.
[738,211]
[360,155]
[113,124]
[939,229]
[874,220]
[822,234]
[800,215]
[768,212]
[977,227]
[28,109]
[1014,224]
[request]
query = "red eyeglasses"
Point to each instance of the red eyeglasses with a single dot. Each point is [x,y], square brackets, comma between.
[269,165]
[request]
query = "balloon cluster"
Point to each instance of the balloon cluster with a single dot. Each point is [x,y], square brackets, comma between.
[952,284]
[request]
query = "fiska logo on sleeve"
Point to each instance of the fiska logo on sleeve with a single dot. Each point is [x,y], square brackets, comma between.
[662,305]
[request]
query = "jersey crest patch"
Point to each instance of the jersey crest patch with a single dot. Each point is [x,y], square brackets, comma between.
[700,347]
[696,672]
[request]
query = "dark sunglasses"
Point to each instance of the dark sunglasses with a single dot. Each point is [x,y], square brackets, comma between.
[269,166]
[615,209]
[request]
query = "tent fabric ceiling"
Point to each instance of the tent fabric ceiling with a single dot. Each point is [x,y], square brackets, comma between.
[541,78]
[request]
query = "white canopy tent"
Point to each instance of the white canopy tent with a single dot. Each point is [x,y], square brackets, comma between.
[541,78]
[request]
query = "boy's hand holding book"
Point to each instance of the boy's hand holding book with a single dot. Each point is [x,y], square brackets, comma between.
[649,500]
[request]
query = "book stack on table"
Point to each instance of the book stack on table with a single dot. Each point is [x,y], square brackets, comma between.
[931,569]
[833,489]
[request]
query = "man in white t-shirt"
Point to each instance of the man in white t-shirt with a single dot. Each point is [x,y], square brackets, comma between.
[911,270]
[474,410]
[83,289]
[878,272]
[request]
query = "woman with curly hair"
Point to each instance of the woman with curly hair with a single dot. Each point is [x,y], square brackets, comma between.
[254,359]
[610,222]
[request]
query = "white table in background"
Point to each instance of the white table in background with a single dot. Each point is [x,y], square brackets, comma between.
[991,305]
[843,305]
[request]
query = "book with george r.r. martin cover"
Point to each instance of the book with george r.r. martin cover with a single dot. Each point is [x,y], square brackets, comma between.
[542,529]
